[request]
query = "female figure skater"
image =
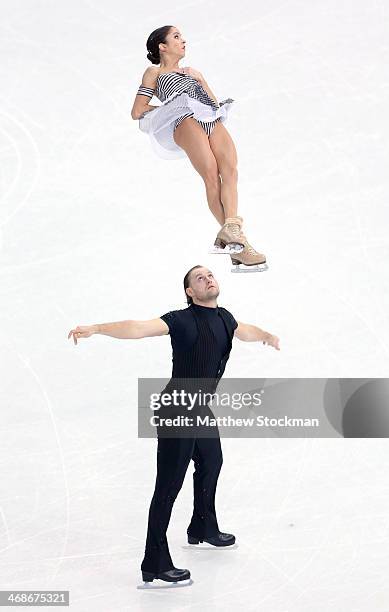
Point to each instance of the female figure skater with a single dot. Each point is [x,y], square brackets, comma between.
[190,122]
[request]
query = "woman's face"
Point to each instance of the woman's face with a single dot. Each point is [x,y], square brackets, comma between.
[175,43]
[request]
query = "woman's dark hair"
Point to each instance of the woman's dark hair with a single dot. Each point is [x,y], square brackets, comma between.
[186,283]
[155,38]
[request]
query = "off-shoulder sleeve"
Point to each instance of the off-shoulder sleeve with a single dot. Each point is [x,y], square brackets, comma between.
[145,91]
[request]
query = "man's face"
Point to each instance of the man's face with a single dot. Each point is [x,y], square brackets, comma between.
[202,285]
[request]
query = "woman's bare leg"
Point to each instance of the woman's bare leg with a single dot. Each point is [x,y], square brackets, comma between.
[226,157]
[224,151]
[190,136]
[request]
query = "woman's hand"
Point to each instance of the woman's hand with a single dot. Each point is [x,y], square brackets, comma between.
[82,331]
[199,77]
[149,109]
[195,74]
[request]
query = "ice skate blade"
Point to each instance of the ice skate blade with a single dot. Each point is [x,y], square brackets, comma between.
[229,249]
[207,547]
[150,586]
[239,269]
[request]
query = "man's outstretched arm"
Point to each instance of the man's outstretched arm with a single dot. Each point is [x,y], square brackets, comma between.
[132,330]
[252,333]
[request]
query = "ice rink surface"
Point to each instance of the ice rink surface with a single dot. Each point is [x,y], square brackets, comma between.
[95,228]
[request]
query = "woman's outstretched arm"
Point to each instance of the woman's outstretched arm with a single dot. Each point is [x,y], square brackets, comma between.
[145,93]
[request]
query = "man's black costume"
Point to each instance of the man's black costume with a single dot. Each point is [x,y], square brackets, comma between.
[201,340]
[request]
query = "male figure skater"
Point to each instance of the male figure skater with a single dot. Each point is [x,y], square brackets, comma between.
[201,337]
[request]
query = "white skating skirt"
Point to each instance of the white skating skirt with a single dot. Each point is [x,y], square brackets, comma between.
[159,123]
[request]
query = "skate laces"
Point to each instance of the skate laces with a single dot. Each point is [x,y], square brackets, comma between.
[251,249]
[248,246]
[235,229]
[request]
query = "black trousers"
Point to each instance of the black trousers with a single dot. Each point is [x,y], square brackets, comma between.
[173,457]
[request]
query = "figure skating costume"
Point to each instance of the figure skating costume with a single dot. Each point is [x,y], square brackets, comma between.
[182,96]
[201,340]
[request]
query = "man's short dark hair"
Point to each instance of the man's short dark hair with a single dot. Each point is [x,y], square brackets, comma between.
[186,283]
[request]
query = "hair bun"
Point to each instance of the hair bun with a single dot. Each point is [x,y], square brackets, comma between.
[151,57]
[152,44]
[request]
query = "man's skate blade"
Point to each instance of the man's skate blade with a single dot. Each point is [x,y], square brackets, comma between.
[241,268]
[161,584]
[229,249]
[205,546]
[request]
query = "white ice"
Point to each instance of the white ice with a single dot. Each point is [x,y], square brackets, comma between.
[94,227]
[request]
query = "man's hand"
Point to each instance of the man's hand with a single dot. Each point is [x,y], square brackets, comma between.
[272,341]
[82,331]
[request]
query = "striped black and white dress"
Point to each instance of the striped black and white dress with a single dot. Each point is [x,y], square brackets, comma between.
[181,96]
